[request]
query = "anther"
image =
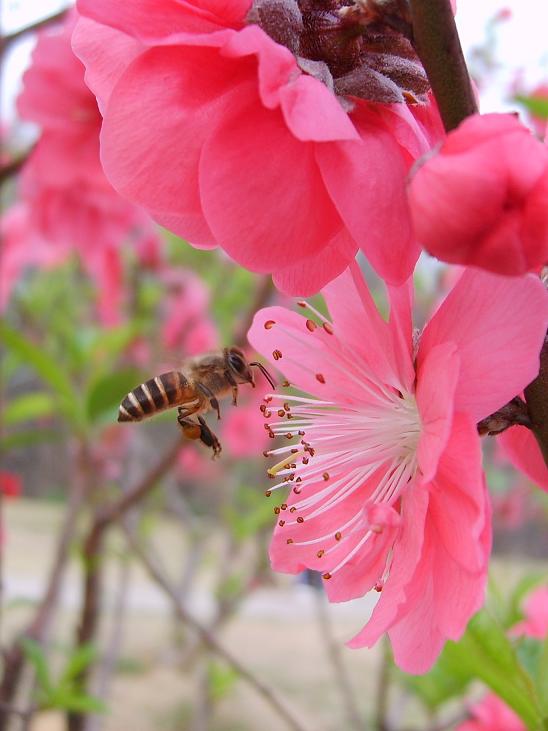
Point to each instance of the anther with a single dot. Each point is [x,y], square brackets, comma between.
[325,476]
[326,576]
[327,327]
[281,523]
[289,541]
[281,413]
[301,304]
[311,325]
[319,377]
[294,450]
[292,509]
[276,510]
[269,324]
[276,354]
[289,435]
[262,408]
[305,460]
[266,453]
[378,587]
[320,553]
[297,490]
[286,406]
[283,506]
[299,479]
[300,519]
[301,433]
[338,535]
[268,493]
[286,384]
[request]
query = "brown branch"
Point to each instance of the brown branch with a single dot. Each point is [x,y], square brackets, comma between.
[13,167]
[7,41]
[92,558]
[208,638]
[37,630]
[438,46]
[536,396]
[340,672]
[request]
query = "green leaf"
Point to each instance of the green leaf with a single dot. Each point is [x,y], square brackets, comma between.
[514,612]
[221,680]
[28,407]
[542,680]
[68,700]
[486,653]
[80,659]
[537,106]
[107,391]
[35,655]
[49,370]
[445,681]
[28,437]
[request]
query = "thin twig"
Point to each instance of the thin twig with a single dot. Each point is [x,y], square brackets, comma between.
[438,46]
[340,672]
[37,630]
[92,551]
[7,41]
[209,639]
[14,166]
[536,396]
[383,687]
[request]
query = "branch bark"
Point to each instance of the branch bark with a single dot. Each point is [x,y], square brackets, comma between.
[438,46]
[536,397]
[208,638]
[8,40]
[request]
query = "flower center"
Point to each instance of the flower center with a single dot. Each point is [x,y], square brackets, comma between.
[355,456]
[358,48]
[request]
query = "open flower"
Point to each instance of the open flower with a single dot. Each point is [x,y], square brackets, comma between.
[278,130]
[482,200]
[387,488]
[71,204]
[492,714]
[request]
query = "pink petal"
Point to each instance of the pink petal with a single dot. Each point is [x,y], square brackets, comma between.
[498,325]
[152,158]
[151,20]
[436,381]
[308,276]
[106,53]
[366,181]
[268,211]
[521,448]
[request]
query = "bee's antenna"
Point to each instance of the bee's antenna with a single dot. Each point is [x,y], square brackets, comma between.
[265,373]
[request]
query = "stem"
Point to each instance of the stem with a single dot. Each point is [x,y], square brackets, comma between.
[340,672]
[92,557]
[8,40]
[37,630]
[438,46]
[383,686]
[536,396]
[208,638]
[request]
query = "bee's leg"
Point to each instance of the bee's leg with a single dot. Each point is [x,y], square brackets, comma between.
[209,438]
[230,379]
[211,396]
[193,430]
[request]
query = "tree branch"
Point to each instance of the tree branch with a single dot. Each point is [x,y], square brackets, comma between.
[7,41]
[438,46]
[209,639]
[536,396]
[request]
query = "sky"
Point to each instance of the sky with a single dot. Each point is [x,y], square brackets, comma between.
[520,44]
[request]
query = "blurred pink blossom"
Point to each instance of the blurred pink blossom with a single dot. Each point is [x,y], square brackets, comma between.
[22,248]
[519,446]
[535,610]
[492,714]
[11,484]
[70,202]
[482,199]
[387,485]
[224,123]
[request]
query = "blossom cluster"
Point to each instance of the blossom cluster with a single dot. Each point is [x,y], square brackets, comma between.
[294,134]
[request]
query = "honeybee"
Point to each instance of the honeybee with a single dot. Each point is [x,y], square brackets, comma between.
[194,390]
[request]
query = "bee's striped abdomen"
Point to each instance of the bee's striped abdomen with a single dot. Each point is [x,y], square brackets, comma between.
[156,394]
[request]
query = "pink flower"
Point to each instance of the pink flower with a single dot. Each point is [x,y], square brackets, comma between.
[520,447]
[22,248]
[482,200]
[535,610]
[11,484]
[387,484]
[492,714]
[248,127]
[73,205]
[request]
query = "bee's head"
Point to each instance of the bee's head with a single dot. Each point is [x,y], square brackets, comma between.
[238,366]
[241,369]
